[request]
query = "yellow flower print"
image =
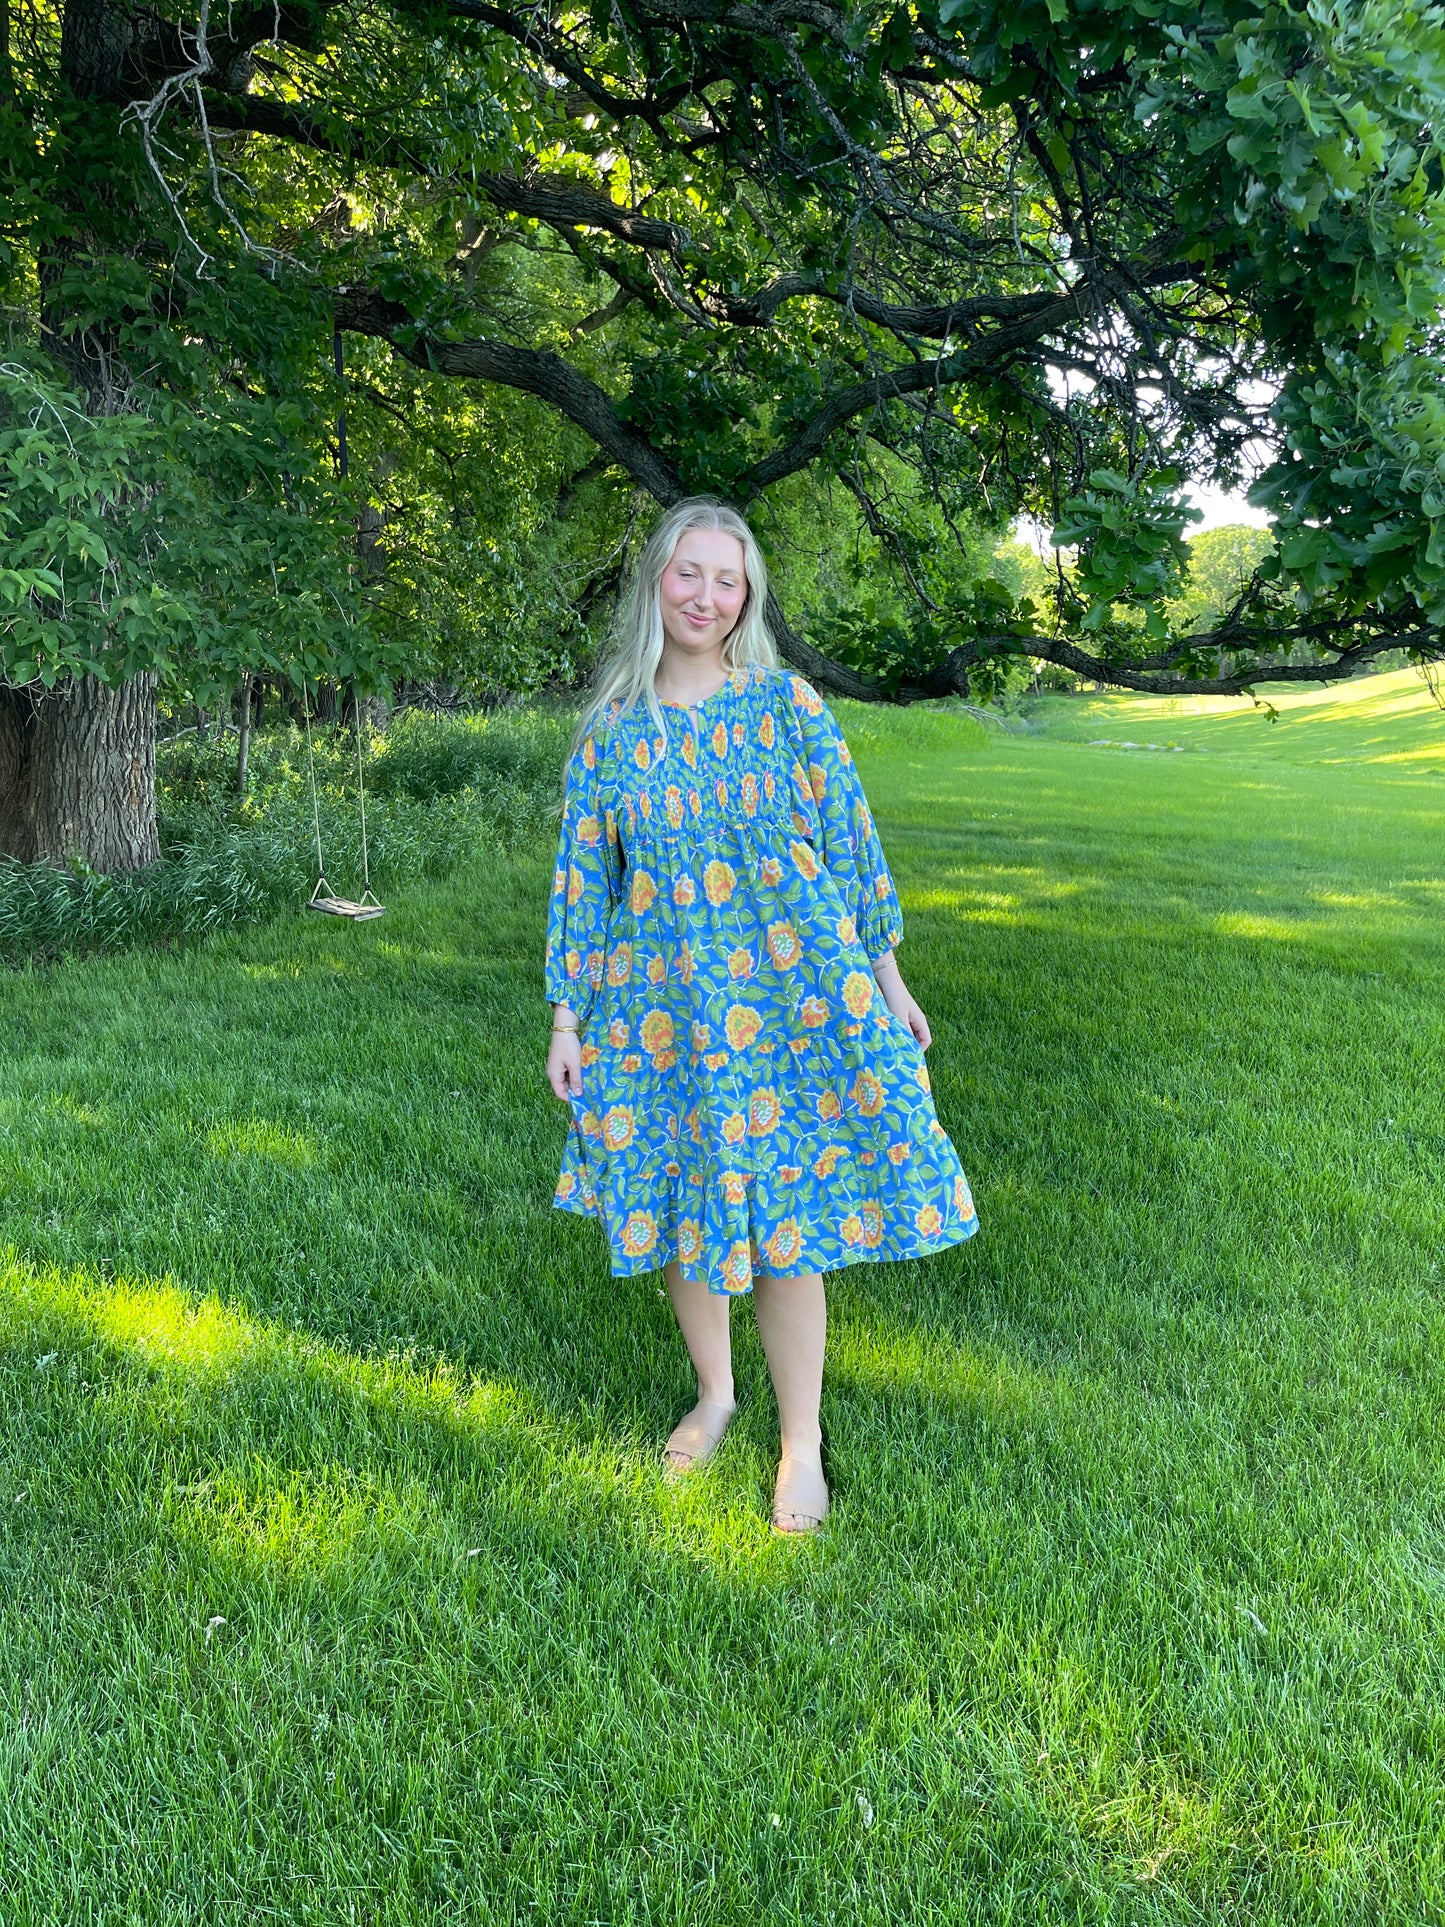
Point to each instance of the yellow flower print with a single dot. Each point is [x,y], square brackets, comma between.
[618,1035]
[719,880]
[683,891]
[684,964]
[740,965]
[559,884]
[805,698]
[737,735]
[689,750]
[845,755]
[694,802]
[664,1060]
[872,1224]
[867,1157]
[722,793]
[785,1244]
[734,1128]
[632,1062]
[826,1162]
[750,794]
[655,1032]
[689,1240]
[566,1185]
[590,1055]
[589,754]
[738,1265]
[898,1153]
[701,1038]
[784,945]
[770,784]
[639,1234]
[800,782]
[817,782]
[644,890]
[857,992]
[715,1059]
[828,1107]
[693,1121]
[802,825]
[929,1220]
[610,819]
[767,735]
[925,1082]
[619,964]
[867,1093]
[589,832]
[847,930]
[771,871]
[764,1111]
[672,802]
[962,1199]
[797,1045]
[741,1026]
[591,1124]
[804,860]
[594,968]
[617,1127]
[576,884]
[813,1012]
[720,740]
[789,1173]
[734,1187]
[656,969]
[851,1230]
[644,803]
[642,755]
[573,963]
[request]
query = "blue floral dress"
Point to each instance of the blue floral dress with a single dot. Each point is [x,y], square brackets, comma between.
[749,1103]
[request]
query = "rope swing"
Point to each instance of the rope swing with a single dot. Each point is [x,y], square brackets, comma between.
[323,897]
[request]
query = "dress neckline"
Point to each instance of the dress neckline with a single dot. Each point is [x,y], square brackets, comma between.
[703,701]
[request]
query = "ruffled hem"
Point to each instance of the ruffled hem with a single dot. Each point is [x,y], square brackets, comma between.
[722,1228]
[822,1256]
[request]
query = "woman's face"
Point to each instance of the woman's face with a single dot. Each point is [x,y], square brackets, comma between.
[702,591]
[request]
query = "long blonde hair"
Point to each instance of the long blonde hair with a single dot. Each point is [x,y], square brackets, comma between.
[627,671]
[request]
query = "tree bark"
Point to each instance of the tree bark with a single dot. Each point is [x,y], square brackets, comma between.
[77,774]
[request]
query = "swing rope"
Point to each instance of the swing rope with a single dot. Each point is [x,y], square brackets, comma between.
[323,897]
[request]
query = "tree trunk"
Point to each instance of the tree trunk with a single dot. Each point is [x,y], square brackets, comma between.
[77,774]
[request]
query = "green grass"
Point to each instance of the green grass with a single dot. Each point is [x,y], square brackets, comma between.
[1133,1607]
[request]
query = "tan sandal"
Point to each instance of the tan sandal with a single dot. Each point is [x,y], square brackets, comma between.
[800,1497]
[694,1441]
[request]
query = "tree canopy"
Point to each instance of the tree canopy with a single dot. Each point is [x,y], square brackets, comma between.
[898,272]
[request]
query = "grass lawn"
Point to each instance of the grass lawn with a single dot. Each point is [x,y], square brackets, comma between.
[337,1581]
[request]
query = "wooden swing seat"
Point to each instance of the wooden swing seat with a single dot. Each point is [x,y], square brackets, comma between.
[323,899]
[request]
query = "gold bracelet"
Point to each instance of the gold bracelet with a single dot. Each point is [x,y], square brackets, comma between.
[566,1030]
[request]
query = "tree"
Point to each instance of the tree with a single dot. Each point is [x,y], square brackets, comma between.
[956,261]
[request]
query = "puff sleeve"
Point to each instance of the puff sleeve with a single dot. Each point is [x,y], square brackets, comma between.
[848,839]
[585,889]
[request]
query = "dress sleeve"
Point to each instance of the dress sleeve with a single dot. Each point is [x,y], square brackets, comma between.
[585,888]
[848,840]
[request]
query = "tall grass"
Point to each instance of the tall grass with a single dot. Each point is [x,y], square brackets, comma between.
[439,789]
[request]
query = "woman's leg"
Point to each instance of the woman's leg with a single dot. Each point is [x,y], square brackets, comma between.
[702,1317]
[793,1325]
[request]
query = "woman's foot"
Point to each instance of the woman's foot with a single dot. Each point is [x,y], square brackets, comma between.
[694,1441]
[800,1497]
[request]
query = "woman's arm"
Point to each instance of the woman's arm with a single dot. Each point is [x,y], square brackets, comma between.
[564,1057]
[899,998]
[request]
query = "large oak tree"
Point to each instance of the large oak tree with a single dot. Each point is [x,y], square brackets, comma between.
[959,260]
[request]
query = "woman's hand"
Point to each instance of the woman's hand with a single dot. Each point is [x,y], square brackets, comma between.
[564,1058]
[899,999]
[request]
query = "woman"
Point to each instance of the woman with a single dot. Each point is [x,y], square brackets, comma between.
[743,1060]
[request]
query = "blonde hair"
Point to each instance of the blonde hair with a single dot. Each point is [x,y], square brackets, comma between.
[627,672]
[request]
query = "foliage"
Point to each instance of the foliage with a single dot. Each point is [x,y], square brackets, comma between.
[439,789]
[1221,564]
